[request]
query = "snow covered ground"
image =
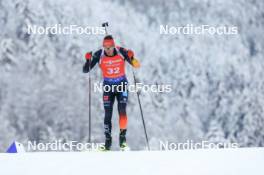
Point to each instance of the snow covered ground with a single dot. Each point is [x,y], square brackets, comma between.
[242,161]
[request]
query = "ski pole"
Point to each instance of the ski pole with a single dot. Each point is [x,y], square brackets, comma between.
[89,77]
[105,25]
[90,108]
[141,112]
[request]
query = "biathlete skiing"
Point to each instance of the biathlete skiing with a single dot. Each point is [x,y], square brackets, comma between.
[111,59]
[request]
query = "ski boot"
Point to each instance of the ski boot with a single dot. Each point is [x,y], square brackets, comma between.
[107,145]
[122,140]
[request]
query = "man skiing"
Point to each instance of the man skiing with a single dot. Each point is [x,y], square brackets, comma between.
[111,60]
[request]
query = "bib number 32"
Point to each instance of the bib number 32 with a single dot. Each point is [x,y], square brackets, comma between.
[115,70]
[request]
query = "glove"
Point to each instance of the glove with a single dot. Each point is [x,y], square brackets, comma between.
[130,54]
[135,63]
[88,56]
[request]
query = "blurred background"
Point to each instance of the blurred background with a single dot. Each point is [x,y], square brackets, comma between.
[217,80]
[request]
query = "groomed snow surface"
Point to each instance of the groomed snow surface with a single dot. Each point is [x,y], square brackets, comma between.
[242,161]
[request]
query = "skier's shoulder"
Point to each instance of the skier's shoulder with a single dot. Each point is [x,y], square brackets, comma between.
[97,55]
[122,50]
[98,52]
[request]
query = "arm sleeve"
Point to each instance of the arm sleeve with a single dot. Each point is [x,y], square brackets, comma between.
[89,64]
[132,61]
[123,51]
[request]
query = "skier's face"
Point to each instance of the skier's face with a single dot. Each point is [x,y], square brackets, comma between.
[109,51]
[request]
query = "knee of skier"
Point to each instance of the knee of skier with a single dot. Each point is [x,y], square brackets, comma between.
[107,120]
[121,108]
